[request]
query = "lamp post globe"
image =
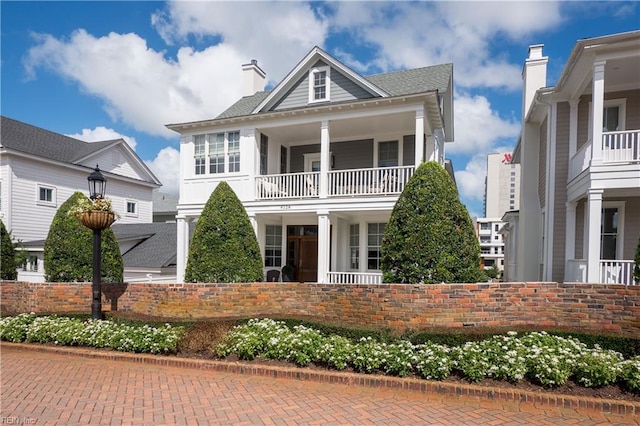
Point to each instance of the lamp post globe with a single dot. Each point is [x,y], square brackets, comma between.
[97,184]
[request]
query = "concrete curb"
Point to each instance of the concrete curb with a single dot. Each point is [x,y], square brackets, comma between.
[536,399]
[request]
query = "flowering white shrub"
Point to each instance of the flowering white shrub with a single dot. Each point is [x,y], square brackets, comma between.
[94,333]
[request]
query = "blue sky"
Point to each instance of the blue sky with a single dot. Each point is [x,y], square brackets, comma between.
[101,70]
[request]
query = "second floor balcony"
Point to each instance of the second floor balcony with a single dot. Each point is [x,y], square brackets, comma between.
[379,181]
[615,148]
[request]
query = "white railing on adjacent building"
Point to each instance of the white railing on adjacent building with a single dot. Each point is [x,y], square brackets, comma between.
[617,272]
[354,277]
[580,160]
[621,146]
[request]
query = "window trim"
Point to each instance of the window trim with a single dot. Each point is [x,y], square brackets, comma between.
[224,154]
[379,258]
[620,235]
[621,103]
[135,208]
[41,202]
[358,256]
[327,83]
[273,246]
[376,153]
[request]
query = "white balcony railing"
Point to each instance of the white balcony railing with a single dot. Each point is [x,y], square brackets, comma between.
[621,146]
[616,272]
[356,182]
[617,147]
[354,277]
[290,185]
[580,160]
[376,181]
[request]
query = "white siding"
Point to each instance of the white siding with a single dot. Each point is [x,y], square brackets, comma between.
[116,161]
[30,220]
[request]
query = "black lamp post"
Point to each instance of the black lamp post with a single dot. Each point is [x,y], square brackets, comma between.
[97,186]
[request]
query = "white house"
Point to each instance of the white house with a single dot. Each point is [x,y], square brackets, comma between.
[40,170]
[318,161]
[579,150]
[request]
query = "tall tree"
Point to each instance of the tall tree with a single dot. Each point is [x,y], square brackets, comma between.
[68,249]
[430,237]
[224,247]
[8,266]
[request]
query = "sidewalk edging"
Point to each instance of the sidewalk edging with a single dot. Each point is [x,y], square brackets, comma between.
[602,406]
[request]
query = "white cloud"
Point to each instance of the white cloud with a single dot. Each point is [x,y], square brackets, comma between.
[102,133]
[479,128]
[166,167]
[277,34]
[409,35]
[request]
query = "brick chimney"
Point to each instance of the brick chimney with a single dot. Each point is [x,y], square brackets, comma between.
[534,76]
[253,77]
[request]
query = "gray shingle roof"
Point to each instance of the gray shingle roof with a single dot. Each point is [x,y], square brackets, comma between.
[39,142]
[164,203]
[157,248]
[396,83]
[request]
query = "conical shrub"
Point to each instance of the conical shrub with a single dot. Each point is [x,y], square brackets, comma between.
[224,248]
[68,249]
[430,237]
[8,267]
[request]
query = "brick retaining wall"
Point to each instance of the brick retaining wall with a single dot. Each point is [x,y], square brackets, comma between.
[597,307]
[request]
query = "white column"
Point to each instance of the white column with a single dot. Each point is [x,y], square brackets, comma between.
[323,245]
[324,159]
[573,128]
[570,240]
[598,107]
[594,209]
[182,249]
[363,260]
[253,165]
[419,144]
[254,223]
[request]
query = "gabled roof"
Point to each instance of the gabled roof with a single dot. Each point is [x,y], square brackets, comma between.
[37,142]
[303,67]
[33,140]
[396,83]
[164,203]
[157,246]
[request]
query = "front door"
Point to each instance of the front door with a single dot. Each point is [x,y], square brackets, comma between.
[302,252]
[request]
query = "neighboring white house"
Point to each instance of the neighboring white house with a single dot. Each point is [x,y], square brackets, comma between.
[40,170]
[501,194]
[579,150]
[318,162]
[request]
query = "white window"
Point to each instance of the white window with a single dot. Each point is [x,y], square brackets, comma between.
[388,154]
[485,226]
[319,84]
[46,195]
[374,242]
[222,151]
[354,246]
[612,231]
[613,116]
[199,154]
[273,246]
[132,208]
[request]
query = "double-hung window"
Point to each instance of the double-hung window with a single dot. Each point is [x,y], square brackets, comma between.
[199,147]
[354,246]
[319,84]
[374,242]
[220,150]
[388,154]
[216,153]
[273,246]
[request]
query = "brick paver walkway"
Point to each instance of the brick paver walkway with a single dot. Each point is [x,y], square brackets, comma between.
[51,388]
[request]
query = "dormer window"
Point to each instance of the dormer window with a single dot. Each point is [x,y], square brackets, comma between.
[319,84]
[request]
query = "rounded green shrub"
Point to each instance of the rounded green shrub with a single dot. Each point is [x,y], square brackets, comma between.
[224,248]
[8,266]
[68,249]
[430,237]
